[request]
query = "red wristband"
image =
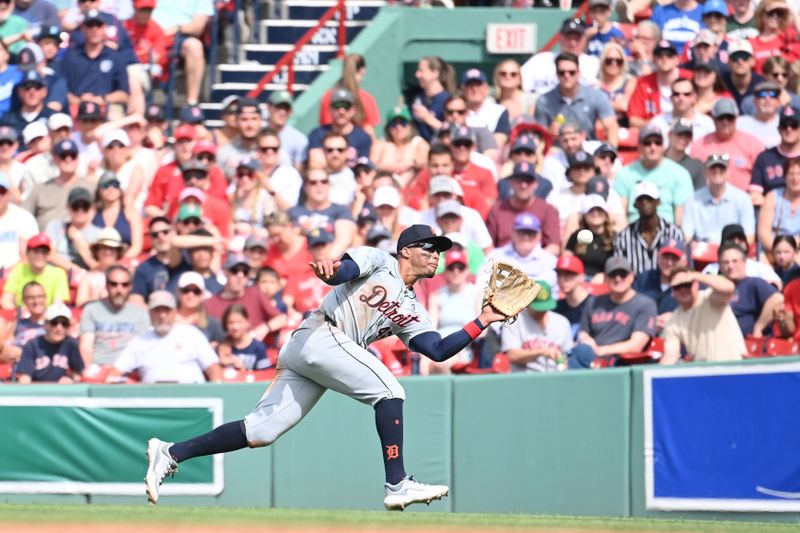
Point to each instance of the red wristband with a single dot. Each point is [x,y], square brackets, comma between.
[473,330]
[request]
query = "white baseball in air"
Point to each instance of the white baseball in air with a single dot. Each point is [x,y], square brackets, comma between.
[585,236]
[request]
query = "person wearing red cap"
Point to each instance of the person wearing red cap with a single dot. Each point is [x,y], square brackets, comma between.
[655,282]
[570,274]
[162,196]
[451,306]
[53,279]
[148,38]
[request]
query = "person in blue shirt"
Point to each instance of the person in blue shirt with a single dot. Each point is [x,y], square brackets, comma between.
[94,71]
[754,301]
[10,76]
[436,79]
[655,282]
[603,30]
[679,21]
[240,350]
[343,110]
[55,356]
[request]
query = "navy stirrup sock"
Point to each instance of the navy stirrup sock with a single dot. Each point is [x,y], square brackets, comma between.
[226,438]
[389,421]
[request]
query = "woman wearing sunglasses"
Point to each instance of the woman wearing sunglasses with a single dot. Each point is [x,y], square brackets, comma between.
[403,152]
[508,90]
[776,70]
[111,211]
[117,158]
[777,33]
[614,80]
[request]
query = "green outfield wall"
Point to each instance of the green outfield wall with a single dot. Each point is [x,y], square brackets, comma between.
[399,37]
[569,444]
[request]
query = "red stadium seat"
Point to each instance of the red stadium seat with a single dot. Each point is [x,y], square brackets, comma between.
[6,370]
[755,347]
[781,347]
[500,365]
[231,375]
[96,373]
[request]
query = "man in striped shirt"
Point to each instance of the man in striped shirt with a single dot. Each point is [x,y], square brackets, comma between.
[642,239]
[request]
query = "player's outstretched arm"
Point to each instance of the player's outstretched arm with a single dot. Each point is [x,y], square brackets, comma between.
[438,348]
[335,272]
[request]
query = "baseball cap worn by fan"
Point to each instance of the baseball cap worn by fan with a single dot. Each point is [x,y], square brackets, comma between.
[190,278]
[67,146]
[570,263]
[57,310]
[474,75]
[386,195]
[598,185]
[235,260]
[89,111]
[460,133]
[161,299]
[78,194]
[280,98]
[444,184]
[544,300]
[185,132]
[420,233]
[681,125]
[572,25]
[319,236]
[789,115]
[724,107]
[456,257]
[646,188]
[715,6]
[155,113]
[254,241]
[35,130]
[400,111]
[191,115]
[58,121]
[341,96]
[523,169]
[740,46]
[7,133]
[40,240]
[592,201]
[187,211]
[718,160]
[377,233]
[732,231]
[524,142]
[673,247]
[448,207]
[617,262]
[651,130]
[527,222]
[579,159]
[191,192]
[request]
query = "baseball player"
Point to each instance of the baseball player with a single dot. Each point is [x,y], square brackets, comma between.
[372,298]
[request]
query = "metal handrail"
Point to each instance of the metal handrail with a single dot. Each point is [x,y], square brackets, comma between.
[287,61]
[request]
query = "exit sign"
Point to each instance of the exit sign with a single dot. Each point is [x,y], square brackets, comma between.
[510,38]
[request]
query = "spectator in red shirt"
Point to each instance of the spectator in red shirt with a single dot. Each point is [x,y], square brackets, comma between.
[500,221]
[651,95]
[287,251]
[304,291]
[477,180]
[149,40]
[264,317]
[167,184]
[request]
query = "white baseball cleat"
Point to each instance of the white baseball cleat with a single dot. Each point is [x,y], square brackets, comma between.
[409,491]
[160,464]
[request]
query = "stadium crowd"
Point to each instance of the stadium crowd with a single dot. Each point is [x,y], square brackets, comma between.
[134,249]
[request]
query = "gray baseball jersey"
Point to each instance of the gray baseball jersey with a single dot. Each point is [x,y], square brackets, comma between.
[377,304]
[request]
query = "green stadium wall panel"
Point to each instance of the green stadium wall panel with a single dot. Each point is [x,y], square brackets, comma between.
[552,444]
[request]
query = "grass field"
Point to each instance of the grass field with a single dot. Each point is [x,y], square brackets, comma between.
[124,519]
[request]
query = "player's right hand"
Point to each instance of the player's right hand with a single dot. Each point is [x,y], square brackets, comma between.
[325,269]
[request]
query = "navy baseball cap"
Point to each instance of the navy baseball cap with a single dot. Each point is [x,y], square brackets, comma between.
[474,75]
[461,133]
[598,185]
[523,169]
[67,146]
[49,32]
[191,115]
[606,149]
[93,15]
[32,77]
[89,111]
[155,113]
[367,214]
[789,114]
[319,236]
[580,159]
[524,142]
[573,25]
[418,233]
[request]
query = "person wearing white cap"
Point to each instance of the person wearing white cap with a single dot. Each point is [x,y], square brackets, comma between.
[9,144]
[390,207]
[191,293]
[53,357]
[642,239]
[110,323]
[442,188]
[168,351]
[36,137]
[449,218]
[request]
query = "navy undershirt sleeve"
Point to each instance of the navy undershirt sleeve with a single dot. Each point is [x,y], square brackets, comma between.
[432,345]
[348,271]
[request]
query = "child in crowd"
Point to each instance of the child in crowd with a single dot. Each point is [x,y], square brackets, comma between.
[240,350]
